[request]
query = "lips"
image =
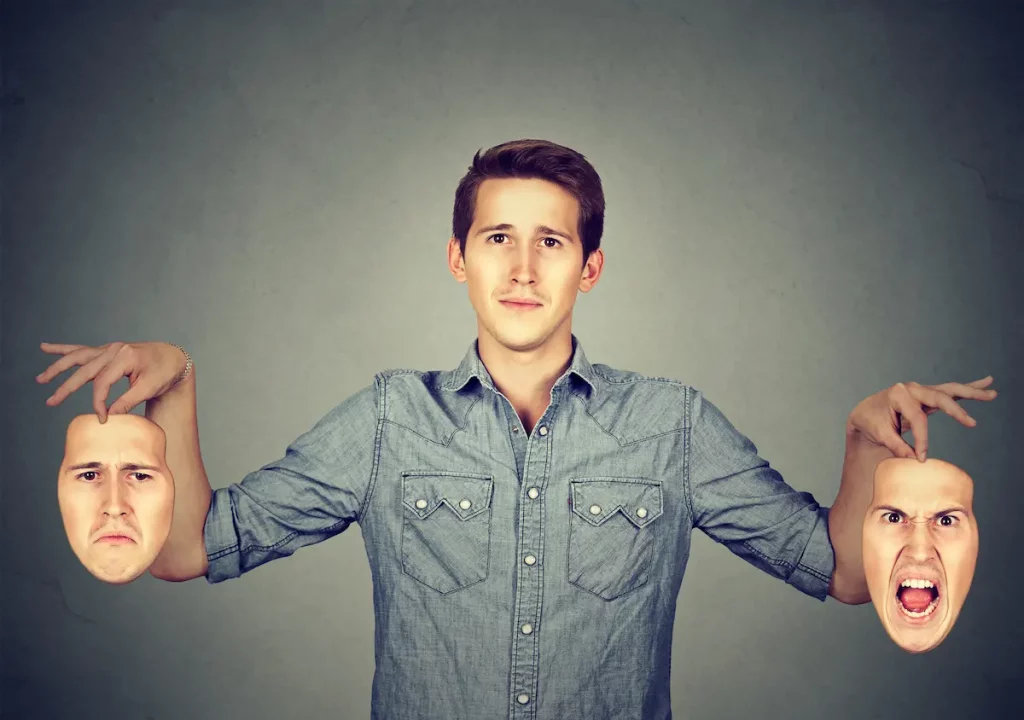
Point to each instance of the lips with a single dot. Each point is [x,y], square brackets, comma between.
[520,304]
[115,538]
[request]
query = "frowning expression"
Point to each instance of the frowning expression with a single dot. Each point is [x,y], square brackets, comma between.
[116,494]
[920,546]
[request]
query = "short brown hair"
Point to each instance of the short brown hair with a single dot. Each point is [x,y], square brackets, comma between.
[539,159]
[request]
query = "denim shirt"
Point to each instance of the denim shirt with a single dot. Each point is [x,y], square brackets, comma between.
[523,576]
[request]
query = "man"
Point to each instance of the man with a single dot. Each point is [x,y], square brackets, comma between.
[116,494]
[526,516]
[920,549]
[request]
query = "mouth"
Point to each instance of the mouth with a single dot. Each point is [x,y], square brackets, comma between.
[116,539]
[917,600]
[517,305]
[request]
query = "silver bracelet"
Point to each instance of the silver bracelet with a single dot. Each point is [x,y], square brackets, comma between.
[188,364]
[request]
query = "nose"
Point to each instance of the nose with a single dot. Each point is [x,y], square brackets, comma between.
[920,544]
[524,266]
[116,500]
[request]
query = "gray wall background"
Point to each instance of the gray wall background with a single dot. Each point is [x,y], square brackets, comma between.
[807,202]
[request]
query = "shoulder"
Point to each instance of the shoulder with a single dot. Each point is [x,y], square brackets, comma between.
[418,400]
[636,407]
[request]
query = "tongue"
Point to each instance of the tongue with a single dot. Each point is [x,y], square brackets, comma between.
[916,599]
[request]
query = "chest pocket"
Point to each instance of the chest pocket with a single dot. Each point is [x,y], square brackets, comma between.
[611,533]
[446,531]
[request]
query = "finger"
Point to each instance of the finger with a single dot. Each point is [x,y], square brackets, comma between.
[910,409]
[132,397]
[57,348]
[967,391]
[934,398]
[84,374]
[111,372]
[75,357]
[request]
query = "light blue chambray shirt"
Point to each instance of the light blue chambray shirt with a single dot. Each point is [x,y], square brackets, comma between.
[523,576]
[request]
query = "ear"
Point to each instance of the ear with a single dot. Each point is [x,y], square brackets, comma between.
[592,270]
[456,261]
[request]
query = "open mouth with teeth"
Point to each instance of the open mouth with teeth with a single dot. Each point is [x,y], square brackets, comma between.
[917,599]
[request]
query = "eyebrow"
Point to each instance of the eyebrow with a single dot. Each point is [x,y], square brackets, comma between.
[541,229]
[94,465]
[946,511]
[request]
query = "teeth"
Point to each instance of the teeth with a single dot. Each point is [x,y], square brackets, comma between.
[916,583]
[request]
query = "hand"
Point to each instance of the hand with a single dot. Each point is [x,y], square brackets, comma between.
[886,415]
[152,368]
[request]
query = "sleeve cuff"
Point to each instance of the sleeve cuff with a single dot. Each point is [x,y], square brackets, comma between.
[817,564]
[221,539]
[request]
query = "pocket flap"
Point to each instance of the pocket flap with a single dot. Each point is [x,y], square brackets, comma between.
[597,499]
[467,495]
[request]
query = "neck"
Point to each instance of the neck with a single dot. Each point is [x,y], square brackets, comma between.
[526,377]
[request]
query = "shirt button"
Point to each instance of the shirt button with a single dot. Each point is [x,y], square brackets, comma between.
[515,428]
[522,698]
[530,560]
[466,503]
[527,629]
[543,430]
[421,504]
[595,509]
[534,493]
[641,512]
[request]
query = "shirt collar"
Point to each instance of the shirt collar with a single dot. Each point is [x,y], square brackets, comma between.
[473,367]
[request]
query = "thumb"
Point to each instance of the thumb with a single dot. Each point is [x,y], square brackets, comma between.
[895,443]
[132,397]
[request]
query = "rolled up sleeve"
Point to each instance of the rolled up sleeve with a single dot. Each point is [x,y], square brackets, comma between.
[311,494]
[740,501]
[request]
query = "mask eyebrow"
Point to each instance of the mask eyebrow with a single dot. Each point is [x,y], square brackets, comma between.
[940,513]
[96,465]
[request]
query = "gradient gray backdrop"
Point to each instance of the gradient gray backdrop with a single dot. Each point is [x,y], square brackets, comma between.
[806,203]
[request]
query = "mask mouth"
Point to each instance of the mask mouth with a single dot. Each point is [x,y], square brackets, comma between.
[917,599]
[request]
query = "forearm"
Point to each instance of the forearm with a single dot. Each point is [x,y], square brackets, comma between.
[846,517]
[184,553]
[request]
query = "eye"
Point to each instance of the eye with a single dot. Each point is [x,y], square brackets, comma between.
[556,241]
[892,517]
[142,477]
[952,520]
[82,476]
[498,235]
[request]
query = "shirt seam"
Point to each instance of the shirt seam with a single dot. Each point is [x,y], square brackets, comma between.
[382,391]
[687,445]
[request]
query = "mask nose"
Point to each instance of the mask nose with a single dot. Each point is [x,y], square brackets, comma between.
[116,501]
[920,545]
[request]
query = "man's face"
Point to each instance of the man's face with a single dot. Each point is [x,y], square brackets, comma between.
[524,245]
[116,494]
[920,545]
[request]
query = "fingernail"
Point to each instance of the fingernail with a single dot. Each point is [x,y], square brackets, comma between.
[923,456]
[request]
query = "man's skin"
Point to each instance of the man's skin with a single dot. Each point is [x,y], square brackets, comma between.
[525,351]
[116,494]
[920,530]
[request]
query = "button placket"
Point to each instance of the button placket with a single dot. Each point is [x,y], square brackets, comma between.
[531,544]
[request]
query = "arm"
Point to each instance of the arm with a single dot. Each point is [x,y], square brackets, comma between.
[740,501]
[183,556]
[846,517]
